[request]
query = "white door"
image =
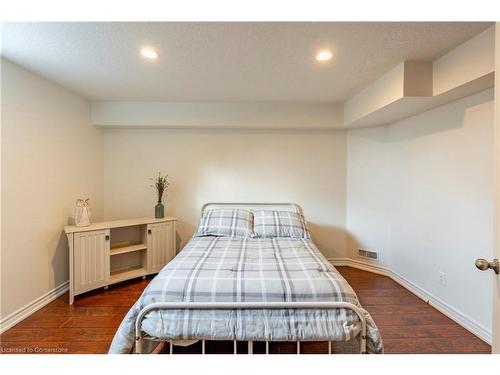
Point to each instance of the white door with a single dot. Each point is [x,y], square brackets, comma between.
[161,245]
[493,264]
[90,260]
[496,279]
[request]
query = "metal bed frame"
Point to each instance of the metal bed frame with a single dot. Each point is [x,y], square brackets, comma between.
[139,335]
[294,207]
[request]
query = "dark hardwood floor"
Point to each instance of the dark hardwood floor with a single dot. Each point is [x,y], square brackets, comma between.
[407,324]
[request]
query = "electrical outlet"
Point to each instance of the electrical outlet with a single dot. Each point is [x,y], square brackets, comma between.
[442,278]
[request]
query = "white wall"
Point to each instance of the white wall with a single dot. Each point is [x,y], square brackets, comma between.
[420,192]
[241,166]
[50,157]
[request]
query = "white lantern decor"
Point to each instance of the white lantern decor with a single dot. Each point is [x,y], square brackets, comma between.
[82,213]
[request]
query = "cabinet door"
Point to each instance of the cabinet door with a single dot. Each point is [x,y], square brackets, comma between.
[90,260]
[161,245]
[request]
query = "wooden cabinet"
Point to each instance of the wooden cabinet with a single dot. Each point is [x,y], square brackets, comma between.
[110,252]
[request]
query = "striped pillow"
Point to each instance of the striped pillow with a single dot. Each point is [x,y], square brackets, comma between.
[226,223]
[280,224]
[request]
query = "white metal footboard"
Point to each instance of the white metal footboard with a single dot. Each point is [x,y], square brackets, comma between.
[247,305]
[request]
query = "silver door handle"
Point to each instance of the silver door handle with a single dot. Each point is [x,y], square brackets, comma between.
[483,265]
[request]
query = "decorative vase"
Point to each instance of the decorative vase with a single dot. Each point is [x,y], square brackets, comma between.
[159,210]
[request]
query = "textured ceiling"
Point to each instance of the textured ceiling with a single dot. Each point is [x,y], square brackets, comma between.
[225,61]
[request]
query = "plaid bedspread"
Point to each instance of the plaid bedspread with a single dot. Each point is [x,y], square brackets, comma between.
[225,269]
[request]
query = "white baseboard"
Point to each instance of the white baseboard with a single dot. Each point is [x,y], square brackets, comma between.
[30,308]
[469,324]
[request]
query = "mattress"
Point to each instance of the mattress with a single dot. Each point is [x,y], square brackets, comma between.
[227,269]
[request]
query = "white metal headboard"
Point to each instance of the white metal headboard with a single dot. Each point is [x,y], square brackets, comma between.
[294,207]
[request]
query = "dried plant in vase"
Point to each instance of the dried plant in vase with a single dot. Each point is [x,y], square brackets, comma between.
[161,185]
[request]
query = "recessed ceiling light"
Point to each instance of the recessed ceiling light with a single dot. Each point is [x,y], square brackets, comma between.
[149,53]
[324,55]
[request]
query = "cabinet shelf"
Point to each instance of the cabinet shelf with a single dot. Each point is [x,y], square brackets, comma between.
[127,249]
[127,273]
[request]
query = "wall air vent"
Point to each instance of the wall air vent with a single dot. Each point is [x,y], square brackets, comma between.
[367,254]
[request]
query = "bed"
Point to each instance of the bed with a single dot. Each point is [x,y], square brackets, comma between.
[241,288]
